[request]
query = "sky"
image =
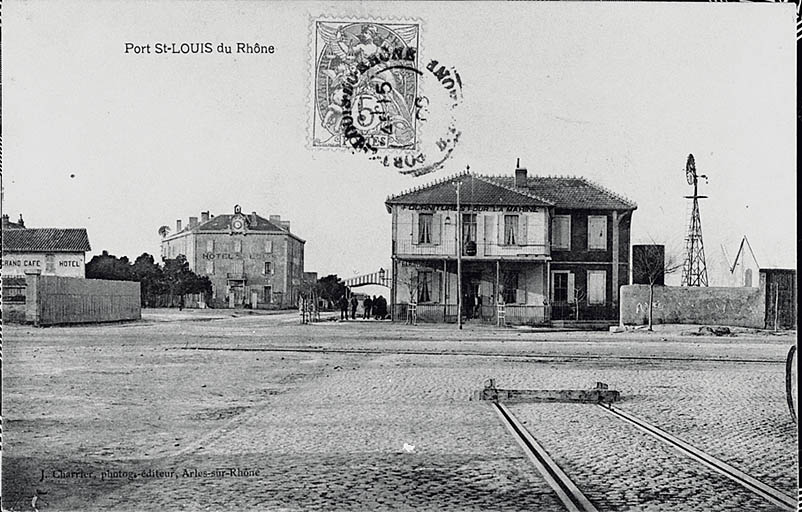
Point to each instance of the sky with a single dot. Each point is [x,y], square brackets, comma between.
[616,92]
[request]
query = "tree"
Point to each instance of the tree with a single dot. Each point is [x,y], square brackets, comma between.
[164,231]
[331,288]
[151,278]
[108,266]
[653,265]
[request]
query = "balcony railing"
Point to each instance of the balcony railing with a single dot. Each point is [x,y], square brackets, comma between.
[477,249]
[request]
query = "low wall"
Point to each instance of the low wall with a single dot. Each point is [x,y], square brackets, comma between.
[66,300]
[743,307]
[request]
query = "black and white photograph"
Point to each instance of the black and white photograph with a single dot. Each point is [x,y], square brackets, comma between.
[363,256]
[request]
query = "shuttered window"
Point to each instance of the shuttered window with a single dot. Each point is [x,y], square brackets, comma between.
[596,286]
[209,245]
[561,232]
[597,232]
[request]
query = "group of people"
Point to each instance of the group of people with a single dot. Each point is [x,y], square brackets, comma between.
[372,308]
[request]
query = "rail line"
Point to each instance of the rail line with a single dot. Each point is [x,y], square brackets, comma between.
[550,357]
[763,490]
[566,490]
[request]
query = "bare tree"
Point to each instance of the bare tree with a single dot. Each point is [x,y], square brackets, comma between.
[653,265]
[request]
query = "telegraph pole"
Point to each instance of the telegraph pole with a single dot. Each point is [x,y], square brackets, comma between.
[459,258]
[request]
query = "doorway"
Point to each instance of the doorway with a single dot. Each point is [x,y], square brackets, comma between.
[471,296]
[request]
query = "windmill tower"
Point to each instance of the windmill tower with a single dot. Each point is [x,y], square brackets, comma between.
[694,270]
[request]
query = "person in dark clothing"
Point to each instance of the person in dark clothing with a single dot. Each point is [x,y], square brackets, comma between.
[367,304]
[354,304]
[343,303]
[380,308]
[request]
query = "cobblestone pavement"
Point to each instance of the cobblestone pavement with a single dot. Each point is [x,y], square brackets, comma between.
[620,468]
[326,431]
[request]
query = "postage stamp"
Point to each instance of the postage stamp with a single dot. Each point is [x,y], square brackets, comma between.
[373,93]
[365,85]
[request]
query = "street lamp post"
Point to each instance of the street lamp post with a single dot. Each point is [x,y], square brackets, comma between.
[459,258]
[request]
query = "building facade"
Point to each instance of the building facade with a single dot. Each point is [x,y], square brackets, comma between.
[251,260]
[548,248]
[45,251]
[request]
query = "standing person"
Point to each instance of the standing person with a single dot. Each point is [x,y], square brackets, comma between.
[343,303]
[367,304]
[354,304]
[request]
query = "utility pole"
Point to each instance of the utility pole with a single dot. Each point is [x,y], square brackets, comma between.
[459,258]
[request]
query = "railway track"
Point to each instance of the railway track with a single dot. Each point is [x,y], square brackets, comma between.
[575,501]
[524,357]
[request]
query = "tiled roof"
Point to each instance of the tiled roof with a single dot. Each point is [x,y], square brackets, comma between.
[46,240]
[256,223]
[573,192]
[475,190]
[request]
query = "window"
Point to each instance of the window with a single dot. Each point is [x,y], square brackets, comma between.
[425,228]
[268,294]
[268,268]
[237,245]
[561,232]
[562,286]
[424,286]
[510,287]
[596,286]
[209,245]
[50,263]
[510,229]
[209,267]
[597,232]
[269,246]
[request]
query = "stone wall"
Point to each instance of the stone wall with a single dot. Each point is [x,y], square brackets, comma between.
[744,307]
[51,300]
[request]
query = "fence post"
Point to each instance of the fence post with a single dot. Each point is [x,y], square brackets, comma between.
[33,303]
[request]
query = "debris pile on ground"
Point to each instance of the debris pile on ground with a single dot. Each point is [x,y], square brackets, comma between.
[706,330]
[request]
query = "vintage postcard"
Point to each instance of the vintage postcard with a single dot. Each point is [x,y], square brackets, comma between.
[358,256]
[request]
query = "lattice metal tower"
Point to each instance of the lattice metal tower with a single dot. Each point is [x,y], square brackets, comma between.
[694,269]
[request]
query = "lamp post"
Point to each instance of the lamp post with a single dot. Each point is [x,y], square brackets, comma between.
[459,258]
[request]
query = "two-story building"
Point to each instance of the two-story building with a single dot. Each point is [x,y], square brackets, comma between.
[546,247]
[249,259]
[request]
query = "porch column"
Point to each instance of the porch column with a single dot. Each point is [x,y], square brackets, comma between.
[394,290]
[444,284]
[497,290]
[615,258]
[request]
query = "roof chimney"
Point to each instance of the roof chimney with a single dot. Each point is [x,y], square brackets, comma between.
[285,224]
[178,225]
[275,219]
[193,222]
[5,221]
[20,221]
[204,217]
[520,175]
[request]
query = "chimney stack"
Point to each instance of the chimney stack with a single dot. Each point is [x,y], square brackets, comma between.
[285,224]
[178,225]
[5,221]
[275,219]
[520,175]
[193,222]
[20,221]
[204,217]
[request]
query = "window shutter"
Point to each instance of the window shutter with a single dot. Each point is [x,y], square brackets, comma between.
[435,291]
[500,228]
[570,287]
[415,228]
[269,246]
[556,232]
[437,219]
[522,229]
[488,234]
[520,293]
